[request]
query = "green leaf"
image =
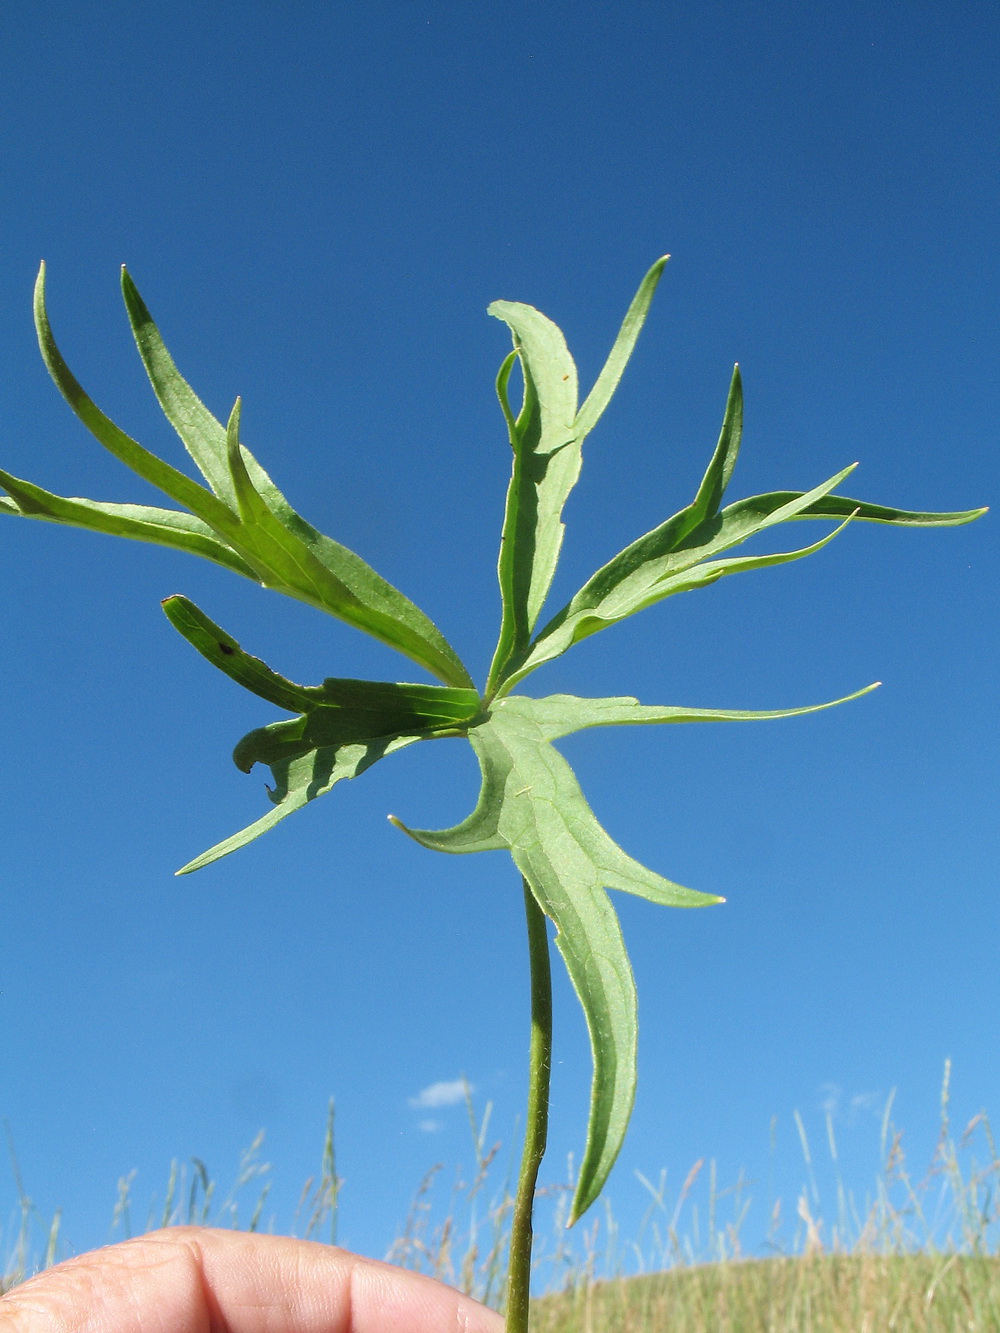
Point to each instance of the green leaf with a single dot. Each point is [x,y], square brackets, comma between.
[546,466]
[293,558]
[676,558]
[560,715]
[360,710]
[369,603]
[659,564]
[203,435]
[130,452]
[700,576]
[352,725]
[836,506]
[283,561]
[720,469]
[300,780]
[344,727]
[268,539]
[546,437]
[283,740]
[531,803]
[164,527]
[624,345]
[223,651]
[503,379]
[340,709]
[436,706]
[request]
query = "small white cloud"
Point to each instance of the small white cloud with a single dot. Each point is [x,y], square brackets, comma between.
[430,1126]
[440,1094]
[829,1098]
[863,1103]
[850,1108]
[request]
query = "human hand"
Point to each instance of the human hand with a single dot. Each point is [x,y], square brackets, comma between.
[198,1280]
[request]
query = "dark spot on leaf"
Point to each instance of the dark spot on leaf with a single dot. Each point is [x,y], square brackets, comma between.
[225,648]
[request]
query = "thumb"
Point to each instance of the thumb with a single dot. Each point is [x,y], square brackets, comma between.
[195,1279]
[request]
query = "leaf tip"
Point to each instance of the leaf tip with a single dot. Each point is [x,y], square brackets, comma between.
[398,823]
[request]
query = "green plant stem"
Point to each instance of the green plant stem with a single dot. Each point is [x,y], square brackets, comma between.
[537,1118]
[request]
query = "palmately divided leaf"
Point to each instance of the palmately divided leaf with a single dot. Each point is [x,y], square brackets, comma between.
[339,711]
[546,466]
[546,437]
[677,556]
[130,452]
[354,724]
[710,571]
[531,803]
[661,563]
[244,509]
[207,441]
[300,780]
[344,725]
[359,710]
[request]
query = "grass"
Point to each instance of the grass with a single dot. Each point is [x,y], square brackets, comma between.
[819,1293]
[920,1255]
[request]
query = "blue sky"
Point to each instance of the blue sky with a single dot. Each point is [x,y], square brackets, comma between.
[318,202]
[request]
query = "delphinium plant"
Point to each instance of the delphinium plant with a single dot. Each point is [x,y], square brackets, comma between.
[530,802]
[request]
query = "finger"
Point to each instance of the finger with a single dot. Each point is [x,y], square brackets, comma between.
[198,1280]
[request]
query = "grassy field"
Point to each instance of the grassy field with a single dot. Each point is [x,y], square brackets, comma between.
[852,1293]
[921,1255]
